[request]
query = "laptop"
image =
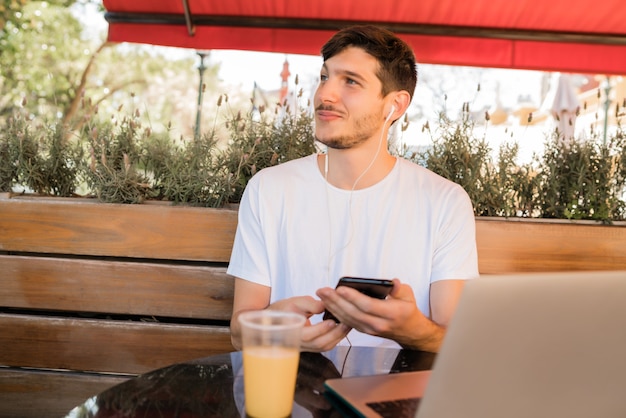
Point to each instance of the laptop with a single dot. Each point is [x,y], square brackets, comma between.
[527,345]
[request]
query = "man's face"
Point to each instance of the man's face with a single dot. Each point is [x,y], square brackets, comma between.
[348,101]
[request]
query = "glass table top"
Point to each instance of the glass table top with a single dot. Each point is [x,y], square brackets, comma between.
[213,386]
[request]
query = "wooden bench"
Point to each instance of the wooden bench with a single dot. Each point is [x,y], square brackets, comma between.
[123,289]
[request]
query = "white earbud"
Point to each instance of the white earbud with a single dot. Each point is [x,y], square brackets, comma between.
[393,109]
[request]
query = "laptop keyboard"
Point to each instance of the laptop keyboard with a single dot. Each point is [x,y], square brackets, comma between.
[399,408]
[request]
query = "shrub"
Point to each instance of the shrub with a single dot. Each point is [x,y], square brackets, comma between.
[578,179]
[119,160]
[39,158]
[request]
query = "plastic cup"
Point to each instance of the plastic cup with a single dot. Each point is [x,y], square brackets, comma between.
[271,353]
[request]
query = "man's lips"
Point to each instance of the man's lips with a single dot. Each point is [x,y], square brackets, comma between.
[327,115]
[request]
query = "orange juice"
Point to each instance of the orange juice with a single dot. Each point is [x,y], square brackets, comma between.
[270,380]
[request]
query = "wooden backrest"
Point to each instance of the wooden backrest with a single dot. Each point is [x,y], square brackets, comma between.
[523,245]
[124,288]
[67,287]
[125,259]
[119,289]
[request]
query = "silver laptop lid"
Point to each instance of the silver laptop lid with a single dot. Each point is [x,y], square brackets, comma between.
[534,345]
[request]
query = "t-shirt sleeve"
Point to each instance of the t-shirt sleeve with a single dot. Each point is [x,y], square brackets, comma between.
[456,256]
[248,259]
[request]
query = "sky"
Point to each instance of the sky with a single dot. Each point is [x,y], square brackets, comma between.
[236,68]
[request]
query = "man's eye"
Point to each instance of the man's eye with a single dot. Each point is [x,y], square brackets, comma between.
[351,81]
[323,77]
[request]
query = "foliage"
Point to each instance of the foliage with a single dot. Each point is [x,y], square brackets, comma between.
[458,155]
[578,179]
[125,162]
[189,174]
[38,46]
[38,157]
[265,141]
[50,59]
[114,150]
[122,160]
[583,179]
[11,12]
[503,188]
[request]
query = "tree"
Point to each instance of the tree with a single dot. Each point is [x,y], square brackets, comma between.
[50,69]
[36,56]
[11,11]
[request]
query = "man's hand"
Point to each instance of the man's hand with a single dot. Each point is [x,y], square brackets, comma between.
[396,317]
[319,337]
[251,296]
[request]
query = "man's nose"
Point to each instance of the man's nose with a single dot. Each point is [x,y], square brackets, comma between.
[326,92]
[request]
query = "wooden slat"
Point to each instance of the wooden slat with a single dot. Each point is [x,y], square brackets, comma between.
[156,231]
[132,288]
[38,393]
[104,345]
[510,246]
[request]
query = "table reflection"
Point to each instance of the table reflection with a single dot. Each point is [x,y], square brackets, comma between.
[213,386]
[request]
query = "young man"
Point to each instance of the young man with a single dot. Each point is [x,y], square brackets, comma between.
[356,211]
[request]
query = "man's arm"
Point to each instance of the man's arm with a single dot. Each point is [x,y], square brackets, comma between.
[397,317]
[444,298]
[248,296]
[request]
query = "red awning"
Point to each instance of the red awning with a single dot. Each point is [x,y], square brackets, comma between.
[581,36]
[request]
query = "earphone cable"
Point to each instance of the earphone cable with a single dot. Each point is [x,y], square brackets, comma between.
[351,218]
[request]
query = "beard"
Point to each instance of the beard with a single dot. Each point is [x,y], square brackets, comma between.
[362,130]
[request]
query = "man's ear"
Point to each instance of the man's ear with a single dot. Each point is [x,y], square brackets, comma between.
[401,101]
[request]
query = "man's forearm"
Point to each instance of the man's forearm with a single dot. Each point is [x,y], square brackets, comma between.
[235,331]
[430,339]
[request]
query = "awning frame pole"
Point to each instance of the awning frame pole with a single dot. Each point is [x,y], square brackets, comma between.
[191,29]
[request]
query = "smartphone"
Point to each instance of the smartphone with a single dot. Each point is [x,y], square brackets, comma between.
[374,288]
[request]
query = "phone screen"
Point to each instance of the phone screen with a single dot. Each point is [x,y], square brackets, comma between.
[375,288]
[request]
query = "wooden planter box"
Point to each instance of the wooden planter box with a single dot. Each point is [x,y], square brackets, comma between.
[534,245]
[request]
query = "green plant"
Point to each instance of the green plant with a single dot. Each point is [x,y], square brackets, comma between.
[458,155]
[41,158]
[125,162]
[581,179]
[516,185]
[260,140]
[8,167]
[190,173]
[120,160]
[204,171]
[113,173]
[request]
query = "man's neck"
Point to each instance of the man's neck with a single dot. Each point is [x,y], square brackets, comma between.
[348,170]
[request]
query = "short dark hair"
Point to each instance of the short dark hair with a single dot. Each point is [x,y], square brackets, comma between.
[397,66]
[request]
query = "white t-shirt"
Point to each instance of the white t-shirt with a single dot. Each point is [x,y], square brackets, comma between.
[297,233]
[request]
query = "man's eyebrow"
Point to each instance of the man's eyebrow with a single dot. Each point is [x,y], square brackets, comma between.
[347,73]
[352,74]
